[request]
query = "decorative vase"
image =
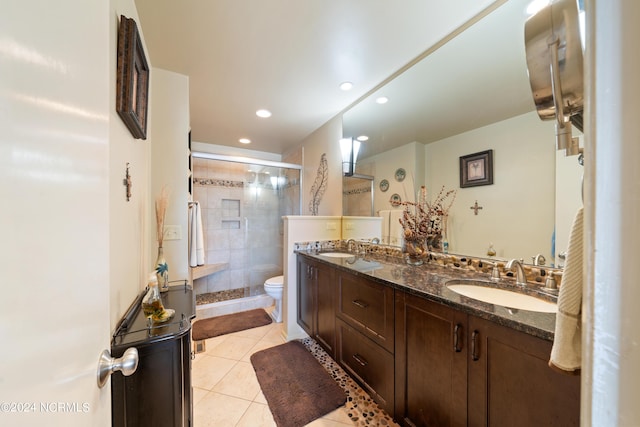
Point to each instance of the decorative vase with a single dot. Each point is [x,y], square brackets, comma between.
[414,251]
[162,271]
[434,242]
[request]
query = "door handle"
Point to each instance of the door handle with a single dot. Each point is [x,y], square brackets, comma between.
[456,338]
[474,346]
[107,365]
[359,303]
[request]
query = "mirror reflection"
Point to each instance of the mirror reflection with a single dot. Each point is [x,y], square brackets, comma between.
[468,96]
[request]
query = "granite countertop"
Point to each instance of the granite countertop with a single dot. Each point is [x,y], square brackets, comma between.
[428,281]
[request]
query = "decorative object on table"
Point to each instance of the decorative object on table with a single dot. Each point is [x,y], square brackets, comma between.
[319,185]
[162,269]
[395,200]
[400,174]
[476,169]
[424,224]
[475,208]
[127,182]
[132,83]
[384,185]
[152,306]
[490,250]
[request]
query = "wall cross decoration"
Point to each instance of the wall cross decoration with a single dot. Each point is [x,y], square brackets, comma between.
[475,208]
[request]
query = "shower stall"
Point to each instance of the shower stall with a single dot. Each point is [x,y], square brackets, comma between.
[242,202]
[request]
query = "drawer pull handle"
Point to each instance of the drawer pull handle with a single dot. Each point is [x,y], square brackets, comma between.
[474,346]
[456,338]
[360,304]
[360,359]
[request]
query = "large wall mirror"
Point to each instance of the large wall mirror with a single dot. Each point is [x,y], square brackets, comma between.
[471,94]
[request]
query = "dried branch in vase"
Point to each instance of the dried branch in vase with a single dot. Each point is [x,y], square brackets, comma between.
[161,209]
[424,220]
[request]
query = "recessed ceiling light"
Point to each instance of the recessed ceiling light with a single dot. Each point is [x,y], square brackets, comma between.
[363,138]
[245,141]
[382,100]
[263,113]
[346,86]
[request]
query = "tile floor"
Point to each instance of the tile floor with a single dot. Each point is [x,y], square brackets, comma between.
[227,393]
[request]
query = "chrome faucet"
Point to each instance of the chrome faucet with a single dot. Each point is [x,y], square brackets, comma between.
[349,242]
[538,259]
[375,241]
[521,277]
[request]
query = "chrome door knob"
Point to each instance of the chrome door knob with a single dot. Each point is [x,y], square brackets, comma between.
[127,364]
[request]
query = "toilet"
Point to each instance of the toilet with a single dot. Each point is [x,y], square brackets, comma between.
[273,288]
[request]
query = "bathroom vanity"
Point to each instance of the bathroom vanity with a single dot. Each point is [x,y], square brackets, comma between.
[159,391]
[428,355]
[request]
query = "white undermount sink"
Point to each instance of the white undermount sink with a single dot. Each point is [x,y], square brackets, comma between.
[501,297]
[336,255]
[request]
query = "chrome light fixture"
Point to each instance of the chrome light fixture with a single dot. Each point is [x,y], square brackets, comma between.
[553,43]
[349,148]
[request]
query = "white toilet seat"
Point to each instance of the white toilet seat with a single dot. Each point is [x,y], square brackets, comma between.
[274,288]
[274,282]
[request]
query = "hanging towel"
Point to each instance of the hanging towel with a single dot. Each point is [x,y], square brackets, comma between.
[196,236]
[566,353]
[385,225]
[395,229]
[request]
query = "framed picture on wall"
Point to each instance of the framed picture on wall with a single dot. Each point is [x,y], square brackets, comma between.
[476,169]
[132,84]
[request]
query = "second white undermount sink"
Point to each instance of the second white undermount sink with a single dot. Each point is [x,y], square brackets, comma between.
[502,297]
[337,254]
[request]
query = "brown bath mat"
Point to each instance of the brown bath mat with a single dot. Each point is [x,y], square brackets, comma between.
[220,325]
[297,388]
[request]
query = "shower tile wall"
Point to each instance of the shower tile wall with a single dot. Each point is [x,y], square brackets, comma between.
[241,214]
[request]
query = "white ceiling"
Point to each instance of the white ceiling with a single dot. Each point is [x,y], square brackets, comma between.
[288,56]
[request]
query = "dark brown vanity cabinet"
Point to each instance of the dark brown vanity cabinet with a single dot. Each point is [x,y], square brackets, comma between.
[316,293]
[510,382]
[430,363]
[365,335]
[454,369]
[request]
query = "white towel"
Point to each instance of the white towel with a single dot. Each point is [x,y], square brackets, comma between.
[395,229]
[385,225]
[566,353]
[196,236]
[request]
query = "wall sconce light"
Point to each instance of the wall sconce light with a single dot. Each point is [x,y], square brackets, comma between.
[349,148]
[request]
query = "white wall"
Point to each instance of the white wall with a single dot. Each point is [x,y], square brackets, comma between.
[169,132]
[129,250]
[323,140]
[384,166]
[517,213]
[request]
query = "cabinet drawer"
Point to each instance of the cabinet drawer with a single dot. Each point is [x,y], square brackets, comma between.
[367,306]
[368,363]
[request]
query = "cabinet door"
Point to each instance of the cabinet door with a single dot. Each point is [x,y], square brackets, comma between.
[430,363]
[306,295]
[510,382]
[325,331]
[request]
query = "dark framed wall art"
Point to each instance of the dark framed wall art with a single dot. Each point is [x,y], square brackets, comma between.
[132,86]
[476,169]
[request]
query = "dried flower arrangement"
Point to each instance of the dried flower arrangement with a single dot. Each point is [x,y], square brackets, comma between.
[425,222]
[161,209]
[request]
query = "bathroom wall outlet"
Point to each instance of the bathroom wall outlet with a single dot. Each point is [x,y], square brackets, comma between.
[331,226]
[172,232]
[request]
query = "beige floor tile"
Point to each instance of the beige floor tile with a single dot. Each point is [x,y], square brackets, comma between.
[260,398]
[208,370]
[261,345]
[198,394]
[258,415]
[340,415]
[275,334]
[323,422]
[218,410]
[232,347]
[240,382]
